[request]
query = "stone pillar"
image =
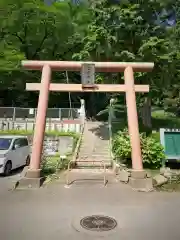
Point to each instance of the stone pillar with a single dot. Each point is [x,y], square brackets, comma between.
[32,177]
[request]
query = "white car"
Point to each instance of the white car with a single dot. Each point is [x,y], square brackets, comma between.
[14,153]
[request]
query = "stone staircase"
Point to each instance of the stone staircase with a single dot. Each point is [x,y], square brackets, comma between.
[94,158]
[94,149]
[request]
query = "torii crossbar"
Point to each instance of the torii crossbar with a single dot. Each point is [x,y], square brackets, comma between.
[45,86]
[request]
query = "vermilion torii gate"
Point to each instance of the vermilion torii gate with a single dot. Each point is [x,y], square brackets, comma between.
[45,86]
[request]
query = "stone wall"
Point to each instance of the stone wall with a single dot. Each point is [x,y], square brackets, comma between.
[53,145]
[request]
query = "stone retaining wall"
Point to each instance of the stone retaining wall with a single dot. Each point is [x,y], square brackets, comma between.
[53,145]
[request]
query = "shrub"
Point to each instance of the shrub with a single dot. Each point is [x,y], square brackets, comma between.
[152,150]
[53,164]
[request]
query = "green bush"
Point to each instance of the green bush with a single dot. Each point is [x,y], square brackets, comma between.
[53,164]
[152,150]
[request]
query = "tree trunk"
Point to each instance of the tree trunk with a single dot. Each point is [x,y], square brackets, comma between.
[146,113]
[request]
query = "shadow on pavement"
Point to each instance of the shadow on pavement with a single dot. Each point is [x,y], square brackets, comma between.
[101,131]
[13,173]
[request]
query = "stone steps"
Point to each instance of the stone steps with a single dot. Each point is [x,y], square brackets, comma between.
[101,146]
[86,145]
[93,147]
[92,161]
[89,152]
[95,155]
[85,176]
[91,164]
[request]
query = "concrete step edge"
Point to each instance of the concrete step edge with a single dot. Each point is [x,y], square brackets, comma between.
[93,166]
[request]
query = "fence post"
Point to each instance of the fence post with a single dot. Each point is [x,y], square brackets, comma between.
[26,124]
[60,115]
[49,124]
[14,117]
[35,113]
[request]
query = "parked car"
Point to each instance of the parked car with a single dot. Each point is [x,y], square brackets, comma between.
[14,153]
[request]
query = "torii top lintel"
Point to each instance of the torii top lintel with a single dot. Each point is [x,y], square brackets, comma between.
[99,66]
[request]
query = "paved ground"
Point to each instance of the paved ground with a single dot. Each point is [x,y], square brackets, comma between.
[53,212]
[8,182]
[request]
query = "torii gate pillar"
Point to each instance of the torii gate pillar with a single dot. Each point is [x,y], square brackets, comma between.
[133,119]
[138,178]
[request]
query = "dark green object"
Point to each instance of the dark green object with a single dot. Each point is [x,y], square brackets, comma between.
[170,139]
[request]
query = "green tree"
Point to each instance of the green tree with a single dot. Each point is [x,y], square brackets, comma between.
[31,30]
[128,32]
[98,31]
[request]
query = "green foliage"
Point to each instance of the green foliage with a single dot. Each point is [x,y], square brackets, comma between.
[112,109]
[163,119]
[97,31]
[152,150]
[172,100]
[31,30]
[121,145]
[51,165]
[125,32]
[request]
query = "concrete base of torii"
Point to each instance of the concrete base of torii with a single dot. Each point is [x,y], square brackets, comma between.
[30,179]
[140,181]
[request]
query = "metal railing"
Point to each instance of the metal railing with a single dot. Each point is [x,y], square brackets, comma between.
[30,113]
[73,162]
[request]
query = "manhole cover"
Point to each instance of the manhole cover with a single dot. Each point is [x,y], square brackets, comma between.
[98,223]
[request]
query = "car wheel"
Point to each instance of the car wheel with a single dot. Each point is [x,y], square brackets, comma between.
[8,168]
[28,161]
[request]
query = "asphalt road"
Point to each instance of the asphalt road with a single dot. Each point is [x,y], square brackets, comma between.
[7,183]
[54,212]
